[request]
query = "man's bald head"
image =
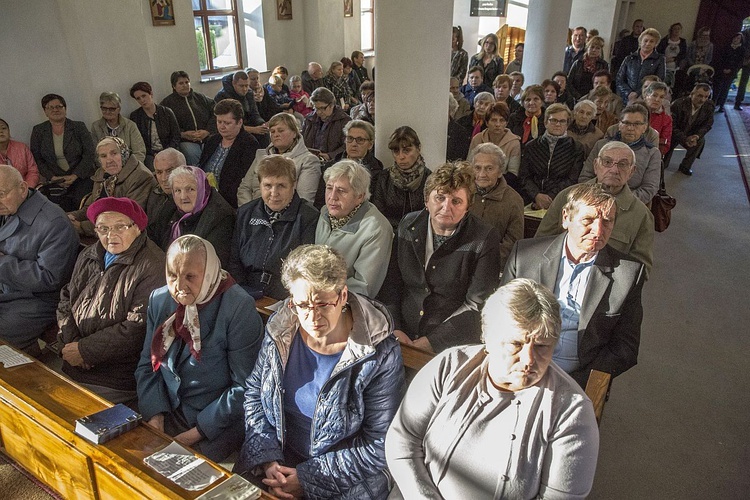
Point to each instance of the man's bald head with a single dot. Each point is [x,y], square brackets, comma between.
[614,166]
[315,70]
[13,190]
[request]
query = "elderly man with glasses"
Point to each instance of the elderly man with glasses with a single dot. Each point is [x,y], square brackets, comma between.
[597,287]
[633,231]
[632,130]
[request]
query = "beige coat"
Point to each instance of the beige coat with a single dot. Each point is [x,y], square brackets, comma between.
[134,181]
[510,144]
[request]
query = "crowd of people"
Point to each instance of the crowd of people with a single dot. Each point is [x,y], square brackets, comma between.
[144,242]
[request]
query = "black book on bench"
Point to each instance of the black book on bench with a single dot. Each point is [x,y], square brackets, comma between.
[104,425]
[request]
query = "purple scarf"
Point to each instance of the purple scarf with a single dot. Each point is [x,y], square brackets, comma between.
[204,192]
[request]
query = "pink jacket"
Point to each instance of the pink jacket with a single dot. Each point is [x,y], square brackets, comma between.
[299,103]
[19,156]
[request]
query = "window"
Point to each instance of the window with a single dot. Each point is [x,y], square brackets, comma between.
[368,25]
[217,35]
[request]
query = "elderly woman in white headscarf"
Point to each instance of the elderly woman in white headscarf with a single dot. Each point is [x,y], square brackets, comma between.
[194,363]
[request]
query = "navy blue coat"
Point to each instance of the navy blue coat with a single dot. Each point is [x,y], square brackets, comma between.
[208,393]
[259,245]
[633,69]
[354,410]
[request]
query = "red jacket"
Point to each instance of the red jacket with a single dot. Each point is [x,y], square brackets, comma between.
[662,123]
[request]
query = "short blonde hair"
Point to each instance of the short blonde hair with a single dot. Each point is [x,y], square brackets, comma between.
[591,195]
[320,266]
[557,108]
[533,307]
[649,32]
[285,118]
[595,41]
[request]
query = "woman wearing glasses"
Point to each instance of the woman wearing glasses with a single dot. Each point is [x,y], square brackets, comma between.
[323,130]
[64,152]
[286,140]
[120,175]
[318,430]
[113,124]
[399,189]
[551,162]
[359,136]
[202,340]
[102,310]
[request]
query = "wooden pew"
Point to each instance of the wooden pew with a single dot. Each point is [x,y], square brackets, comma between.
[38,409]
[530,225]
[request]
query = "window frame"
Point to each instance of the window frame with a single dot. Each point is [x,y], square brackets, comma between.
[204,13]
[371,11]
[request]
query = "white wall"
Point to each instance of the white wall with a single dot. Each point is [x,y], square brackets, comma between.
[285,44]
[599,14]
[660,14]
[419,23]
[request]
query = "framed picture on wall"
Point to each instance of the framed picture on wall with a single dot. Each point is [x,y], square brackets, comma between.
[162,12]
[348,8]
[283,10]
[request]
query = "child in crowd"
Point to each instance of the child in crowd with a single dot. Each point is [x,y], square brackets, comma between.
[275,89]
[302,103]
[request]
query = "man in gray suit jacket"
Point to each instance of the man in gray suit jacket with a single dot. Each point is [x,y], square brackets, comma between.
[597,287]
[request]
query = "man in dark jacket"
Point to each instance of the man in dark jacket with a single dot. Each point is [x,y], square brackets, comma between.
[38,248]
[597,287]
[475,85]
[692,118]
[195,115]
[575,51]
[445,263]
[237,86]
[160,198]
[358,66]
[312,78]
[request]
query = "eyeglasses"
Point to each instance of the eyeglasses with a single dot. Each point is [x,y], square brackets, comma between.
[321,108]
[555,121]
[304,309]
[632,124]
[116,229]
[359,140]
[106,108]
[56,107]
[608,162]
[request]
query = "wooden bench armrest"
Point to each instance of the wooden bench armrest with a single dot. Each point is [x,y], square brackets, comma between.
[597,389]
[415,358]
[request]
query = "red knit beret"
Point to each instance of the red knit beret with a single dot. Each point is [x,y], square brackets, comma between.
[124,206]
